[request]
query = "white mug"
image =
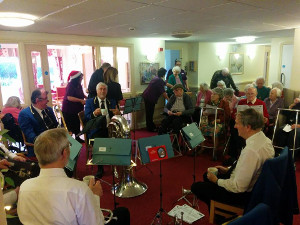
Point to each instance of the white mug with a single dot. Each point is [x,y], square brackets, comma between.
[213,170]
[87,179]
[104,112]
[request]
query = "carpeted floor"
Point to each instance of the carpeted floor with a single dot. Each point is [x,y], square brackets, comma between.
[177,174]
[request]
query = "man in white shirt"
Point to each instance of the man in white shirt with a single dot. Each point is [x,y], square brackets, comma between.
[52,197]
[234,185]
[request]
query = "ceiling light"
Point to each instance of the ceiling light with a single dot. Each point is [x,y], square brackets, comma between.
[183,34]
[245,39]
[16,19]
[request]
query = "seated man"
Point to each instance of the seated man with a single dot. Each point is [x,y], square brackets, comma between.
[99,106]
[179,109]
[236,142]
[96,107]
[37,118]
[233,186]
[52,197]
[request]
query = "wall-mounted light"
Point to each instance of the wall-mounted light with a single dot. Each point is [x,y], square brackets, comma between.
[245,39]
[221,50]
[251,51]
[10,19]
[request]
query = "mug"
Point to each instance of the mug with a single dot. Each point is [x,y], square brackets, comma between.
[87,179]
[104,112]
[213,170]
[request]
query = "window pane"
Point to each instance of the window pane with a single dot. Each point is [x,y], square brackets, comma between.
[10,75]
[107,55]
[123,68]
[37,69]
[62,60]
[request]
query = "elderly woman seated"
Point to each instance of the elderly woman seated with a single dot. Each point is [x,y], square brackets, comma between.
[221,84]
[273,102]
[12,106]
[208,119]
[203,98]
[230,98]
[262,91]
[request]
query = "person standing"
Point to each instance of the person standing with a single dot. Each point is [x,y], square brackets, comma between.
[155,89]
[226,77]
[114,92]
[73,103]
[97,77]
[175,78]
[182,72]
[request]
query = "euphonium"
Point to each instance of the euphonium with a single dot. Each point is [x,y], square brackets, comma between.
[128,186]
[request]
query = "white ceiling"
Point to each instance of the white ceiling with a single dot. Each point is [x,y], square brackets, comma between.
[208,20]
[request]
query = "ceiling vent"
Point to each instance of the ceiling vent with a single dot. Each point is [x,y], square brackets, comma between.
[184,34]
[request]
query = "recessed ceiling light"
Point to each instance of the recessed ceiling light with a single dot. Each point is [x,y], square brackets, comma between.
[245,39]
[16,19]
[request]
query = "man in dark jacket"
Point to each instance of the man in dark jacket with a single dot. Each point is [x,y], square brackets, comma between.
[96,78]
[226,77]
[179,110]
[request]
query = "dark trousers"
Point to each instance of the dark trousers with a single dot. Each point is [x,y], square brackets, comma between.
[206,191]
[283,138]
[123,216]
[149,108]
[72,122]
[174,123]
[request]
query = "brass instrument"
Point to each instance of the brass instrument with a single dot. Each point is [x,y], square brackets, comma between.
[109,216]
[128,186]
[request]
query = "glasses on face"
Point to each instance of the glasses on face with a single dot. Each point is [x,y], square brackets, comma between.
[43,99]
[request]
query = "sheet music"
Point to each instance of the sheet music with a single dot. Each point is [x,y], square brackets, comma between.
[190,215]
[258,108]
[287,128]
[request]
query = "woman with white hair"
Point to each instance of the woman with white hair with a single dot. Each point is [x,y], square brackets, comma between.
[203,97]
[175,78]
[12,106]
[262,91]
[221,84]
[230,98]
[273,102]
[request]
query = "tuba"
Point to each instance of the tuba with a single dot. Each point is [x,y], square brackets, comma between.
[128,186]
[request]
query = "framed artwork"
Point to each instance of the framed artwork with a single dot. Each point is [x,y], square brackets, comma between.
[236,63]
[148,71]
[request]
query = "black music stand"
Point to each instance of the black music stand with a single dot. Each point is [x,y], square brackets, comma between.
[160,141]
[111,151]
[193,138]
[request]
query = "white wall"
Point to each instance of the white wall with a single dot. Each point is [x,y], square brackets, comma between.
[275,57]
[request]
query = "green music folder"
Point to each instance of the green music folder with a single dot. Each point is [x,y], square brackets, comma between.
[112,151]
[149,142]
[74,151]
[193,135]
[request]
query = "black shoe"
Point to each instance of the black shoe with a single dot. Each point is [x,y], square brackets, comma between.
[100,172]
[80,140]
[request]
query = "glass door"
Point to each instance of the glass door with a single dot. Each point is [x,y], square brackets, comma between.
[38,69]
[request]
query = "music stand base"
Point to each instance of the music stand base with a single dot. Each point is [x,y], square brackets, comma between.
[157,220]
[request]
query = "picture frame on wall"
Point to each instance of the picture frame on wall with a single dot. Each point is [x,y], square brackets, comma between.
[236,63]
[148,71]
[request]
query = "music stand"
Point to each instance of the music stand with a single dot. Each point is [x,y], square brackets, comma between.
[193,138]
[160,141]
[132,105]
[112,151]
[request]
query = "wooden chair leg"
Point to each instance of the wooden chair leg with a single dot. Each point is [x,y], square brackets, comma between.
[212,212]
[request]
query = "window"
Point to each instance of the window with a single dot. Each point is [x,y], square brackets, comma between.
[10,75]
[119,58]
